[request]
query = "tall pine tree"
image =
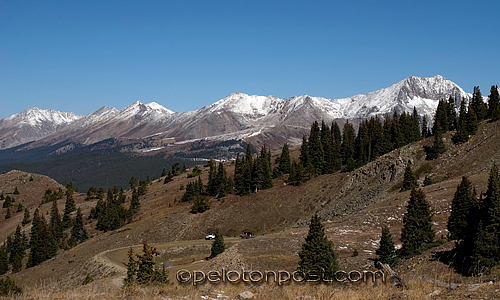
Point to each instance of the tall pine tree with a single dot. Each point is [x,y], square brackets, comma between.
[317,256]
[417,230]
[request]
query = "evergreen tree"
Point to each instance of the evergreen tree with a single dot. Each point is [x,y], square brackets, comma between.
[462,134]
[78,231]
[146,273]
[7,214]
[304,157]
[221,181]
[417,230]
[133,182]
[441,121]
[316,152]
[131,268]
[17,249]
[451,111]
[212,184]
[201,204]
[397,138]
[261,175]
[163,172]
[347,147]
[477,104]
[317,255]
[56,225]
[16,191]
[327,143]
[337,142]
[386,252]
[42,244]
[218,245]
[425,128]
[438,147]
[169,177]
[134,202]
[4,260]
[471,121]
[460,207]
[8,202]
[284,161]
[415,126]
[494,104]
[409,179]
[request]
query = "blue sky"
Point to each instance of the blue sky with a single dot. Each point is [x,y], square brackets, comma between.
[81,55]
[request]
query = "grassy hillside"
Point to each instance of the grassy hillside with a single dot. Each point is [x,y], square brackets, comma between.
[354,206]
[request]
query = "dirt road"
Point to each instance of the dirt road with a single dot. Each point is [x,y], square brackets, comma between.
[117,257]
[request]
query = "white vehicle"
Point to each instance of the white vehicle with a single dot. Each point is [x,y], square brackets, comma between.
[210,236]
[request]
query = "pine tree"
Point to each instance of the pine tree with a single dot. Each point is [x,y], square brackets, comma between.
[131,268]
[438,147]
[462,134]
[477,104]
[78,231]
[56,225]
[316,152]
[471,121]
[169,177]
[317,255]
[425,128]
[201,204]
[494,104]
[42,243]
[417,230]
[347,147]
[16,191]
[451,111]
[7,214]
[460,207]
[26,218]
[17,249]
[441,121]
[337,142]
[221,181]
[284,161]
[218,245]
[327,144]
[4,260]
[415,126]
[212,185]
[386,252]
[409,179]
[134,202]
[304,157]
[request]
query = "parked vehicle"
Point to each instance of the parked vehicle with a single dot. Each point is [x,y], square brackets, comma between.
[210,236]
[247,235]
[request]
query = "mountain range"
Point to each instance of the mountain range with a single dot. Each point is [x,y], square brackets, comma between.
[256,119]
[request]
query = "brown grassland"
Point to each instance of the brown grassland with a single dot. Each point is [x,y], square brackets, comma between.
[354,207]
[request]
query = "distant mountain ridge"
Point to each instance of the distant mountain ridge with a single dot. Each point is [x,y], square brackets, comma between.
[258,119]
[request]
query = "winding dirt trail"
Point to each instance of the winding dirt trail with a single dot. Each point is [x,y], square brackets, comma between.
[116,257]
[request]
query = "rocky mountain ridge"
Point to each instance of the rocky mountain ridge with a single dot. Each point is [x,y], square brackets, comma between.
[257,119]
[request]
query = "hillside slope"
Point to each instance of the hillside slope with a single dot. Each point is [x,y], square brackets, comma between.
[354,205]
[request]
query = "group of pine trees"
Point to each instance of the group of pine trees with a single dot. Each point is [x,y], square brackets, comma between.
[466,122]
[110,213]
[142,269]
[329,150]
[253,174]
[474,224]
[45,237]
[417,234]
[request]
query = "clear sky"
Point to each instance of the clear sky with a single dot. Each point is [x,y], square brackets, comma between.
[81,55]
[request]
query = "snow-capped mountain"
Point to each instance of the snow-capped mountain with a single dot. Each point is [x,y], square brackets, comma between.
[33,124]
[259,119]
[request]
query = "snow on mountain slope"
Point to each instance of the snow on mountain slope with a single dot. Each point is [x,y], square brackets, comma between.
[33,124]
[236,116]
